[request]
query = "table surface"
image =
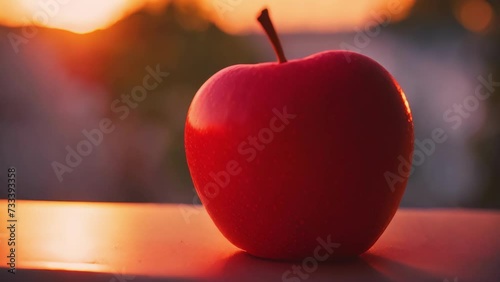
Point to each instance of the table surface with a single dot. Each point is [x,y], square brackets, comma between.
[117,242]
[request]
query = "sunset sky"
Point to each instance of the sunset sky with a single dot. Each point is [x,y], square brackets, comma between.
[234,16]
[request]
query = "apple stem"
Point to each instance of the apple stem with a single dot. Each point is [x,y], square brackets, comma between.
[267,24]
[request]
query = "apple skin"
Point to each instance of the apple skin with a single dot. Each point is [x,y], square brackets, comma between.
[322,176]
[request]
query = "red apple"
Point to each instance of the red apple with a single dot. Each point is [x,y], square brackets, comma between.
[286,155]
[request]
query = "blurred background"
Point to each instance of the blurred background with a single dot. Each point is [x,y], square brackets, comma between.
[65,66]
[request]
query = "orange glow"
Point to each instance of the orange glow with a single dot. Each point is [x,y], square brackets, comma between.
[72,236]
[475,15]
[123,239]
[235,16]
[77,16]
[63,236]
[304,16]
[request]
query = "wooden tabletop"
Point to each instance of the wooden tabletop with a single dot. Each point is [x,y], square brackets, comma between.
[117,242]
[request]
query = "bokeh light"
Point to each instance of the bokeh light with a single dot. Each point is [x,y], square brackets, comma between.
[475,15]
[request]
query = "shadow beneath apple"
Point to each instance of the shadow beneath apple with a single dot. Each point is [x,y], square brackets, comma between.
[243,267]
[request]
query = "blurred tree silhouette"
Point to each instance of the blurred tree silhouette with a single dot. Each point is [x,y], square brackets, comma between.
[183,42]
[191,49]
